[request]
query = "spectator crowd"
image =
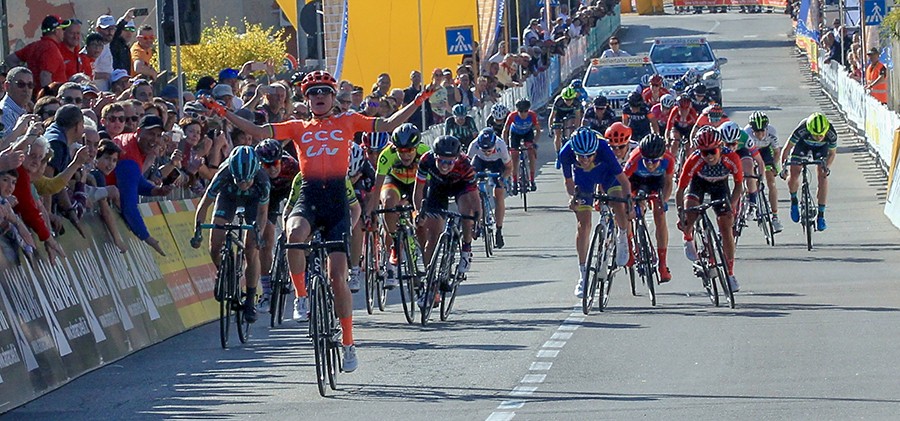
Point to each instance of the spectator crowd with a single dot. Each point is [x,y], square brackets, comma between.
[85,127]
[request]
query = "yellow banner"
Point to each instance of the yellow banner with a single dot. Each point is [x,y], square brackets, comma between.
[289,7]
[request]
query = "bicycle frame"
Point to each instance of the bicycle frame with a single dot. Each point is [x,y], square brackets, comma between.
[711,263]
[410,265]
[228,279]
[600,267]
[808,212]
[443,271]
[524,175]
[486,224]
[645,253]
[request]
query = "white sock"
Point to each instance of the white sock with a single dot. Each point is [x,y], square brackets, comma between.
[354,270]
[582,269]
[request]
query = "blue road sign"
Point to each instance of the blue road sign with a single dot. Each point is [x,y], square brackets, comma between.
[875,11]
[459,40]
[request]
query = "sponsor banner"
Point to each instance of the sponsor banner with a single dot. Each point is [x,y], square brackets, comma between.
[61,319]
[701,3]
[892,204]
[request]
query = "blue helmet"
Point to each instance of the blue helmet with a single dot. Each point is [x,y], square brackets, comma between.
[585,141]
[487,139]
[460,110]
[576,83]
[243,164]
[376,141]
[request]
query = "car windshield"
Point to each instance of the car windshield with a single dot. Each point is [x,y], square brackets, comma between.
[616,75]
[680,53]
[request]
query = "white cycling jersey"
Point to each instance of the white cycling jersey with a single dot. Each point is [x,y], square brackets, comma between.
[501,152]
[769,139]
[632,145]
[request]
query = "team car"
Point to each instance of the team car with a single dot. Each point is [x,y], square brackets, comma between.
[689,58]
[616,77]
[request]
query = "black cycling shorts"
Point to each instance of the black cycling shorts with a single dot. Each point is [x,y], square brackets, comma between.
[768,155]
[802,149]
[516,140]
[405,190]
[716,190]
[684,131]
[323,203]
[481,165]
[647,184]
[226,207]
[437,196]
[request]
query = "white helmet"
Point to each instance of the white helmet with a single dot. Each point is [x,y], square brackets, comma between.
[357,159]
[730,132]
[667,101]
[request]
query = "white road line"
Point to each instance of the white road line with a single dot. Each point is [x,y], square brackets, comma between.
[523,391]
[570,326]
[767,88]
[573,320]
[540,366]
[501,416]
[751,36]
[546,353]
[554,344]
[714,27]
[533,378]
[561,336]
[511,404]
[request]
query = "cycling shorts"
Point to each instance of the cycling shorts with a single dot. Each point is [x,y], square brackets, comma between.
[802,149]
[324,204]
[437,196]
[516,140]
[684,131]
[716,190]
[226,207]
[647,184]
[481,165]
[768,155]
[403,189]
[585,194]
[744,153]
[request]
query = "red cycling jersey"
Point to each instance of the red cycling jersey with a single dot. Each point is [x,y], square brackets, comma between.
[679,119]
[703,120]
[730,164]
[323,145]
[649,98]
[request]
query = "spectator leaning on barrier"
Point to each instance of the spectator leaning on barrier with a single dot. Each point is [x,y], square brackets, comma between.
[19,86]
[138,148]
[876,77]
[32,211]
[107,158]
[43,56]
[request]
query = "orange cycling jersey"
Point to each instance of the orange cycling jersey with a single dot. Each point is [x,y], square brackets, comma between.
[323,145]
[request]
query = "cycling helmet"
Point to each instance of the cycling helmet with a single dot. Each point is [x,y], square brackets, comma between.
[585,141]
[318,78]
[730,132]
[656,80]
[635,99]
[618,134]
[759,120]
[447,146]
[357,159]
[568,93]
[487,139]
[817,124]
[523,105]
[699,89]
[684,101]
[459,110]
[601,101]
[667,101]
[406,136]
[499,112]
[376,141]
[575,83]
[297,78]
[243,164]
[268,151]
[653,146]
[707,138]
[678,85]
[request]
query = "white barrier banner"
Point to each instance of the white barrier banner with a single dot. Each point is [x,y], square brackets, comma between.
[892,204]
[880,125]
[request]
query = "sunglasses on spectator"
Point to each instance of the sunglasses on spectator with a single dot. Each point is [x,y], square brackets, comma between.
[446,162]
[130,29]
[197,115]
[133,118]
[709,152]
[614,43]
[321,90]
[116,118]
[373,104]
[22,84]
[588,156]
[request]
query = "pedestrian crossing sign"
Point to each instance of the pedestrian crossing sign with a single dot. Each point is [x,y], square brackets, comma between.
[459,40]
[875,10]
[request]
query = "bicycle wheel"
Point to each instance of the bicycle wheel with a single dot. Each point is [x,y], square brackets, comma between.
[275,280]
[487,230]
[407,277]
[806,213]
[523,179]
[706,266]
[433,278]
[333,341]
[722,269]
[590,281]
[370,257]
[645,258]
[383,256]
[764,217]
[740,221]
[318,330]
[608,262]
[243,326]
[453,279]
[223,294]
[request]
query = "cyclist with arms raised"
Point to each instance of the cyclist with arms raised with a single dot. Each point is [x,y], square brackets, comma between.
[589,166]
[564,108]
[522,129]
[323,149]
[705,172]
[395,179]
[814,136]
[238,183]
[489,154]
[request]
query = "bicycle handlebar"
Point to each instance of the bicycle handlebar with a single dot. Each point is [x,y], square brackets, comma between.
[448,213]
[227,227]
[807,162]
[395,209]
[704,206]
[318,244]
[642,195]
[607,198]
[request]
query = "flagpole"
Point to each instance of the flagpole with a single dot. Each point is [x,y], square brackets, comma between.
[422,67]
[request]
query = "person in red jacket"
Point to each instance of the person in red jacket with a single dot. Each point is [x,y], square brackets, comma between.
[43,56]
[32,212]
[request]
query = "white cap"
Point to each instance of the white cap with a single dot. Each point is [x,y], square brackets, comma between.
[105,21]
[117,74]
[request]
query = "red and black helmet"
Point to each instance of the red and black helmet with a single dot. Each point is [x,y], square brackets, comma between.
[707,138]
[318,78]
[656,80]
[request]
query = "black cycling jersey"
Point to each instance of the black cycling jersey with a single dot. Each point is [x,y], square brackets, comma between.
[599,124]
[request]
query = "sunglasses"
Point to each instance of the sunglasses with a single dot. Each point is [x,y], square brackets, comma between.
[131,29]
[116,118]
[71,100]
[446,162]
[614,43]
[406,150]
[709,152]
[653,161]
[588,156]
[321,90]
[619,146]
[272,164]
[21,84]
[133,118]
[197,116]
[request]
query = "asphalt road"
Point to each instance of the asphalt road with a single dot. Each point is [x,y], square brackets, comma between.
[813,335]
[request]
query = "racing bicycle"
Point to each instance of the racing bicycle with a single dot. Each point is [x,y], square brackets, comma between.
[487,224]
[600,266]
[443,277]
[410,262]
[711,266]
